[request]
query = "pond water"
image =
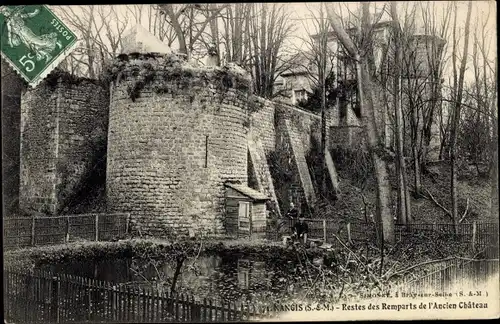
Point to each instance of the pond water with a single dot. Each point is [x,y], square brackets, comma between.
[225,278]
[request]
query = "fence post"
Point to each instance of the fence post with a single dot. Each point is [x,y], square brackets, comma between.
[66,238]
[33,231]
[54,302]
[474,228]
[127,224]
[250,221]
[97,227]
[349,233]
[114,303]
[28,297]
[324,230]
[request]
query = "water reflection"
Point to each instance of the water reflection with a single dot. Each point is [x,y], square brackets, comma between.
[226,278]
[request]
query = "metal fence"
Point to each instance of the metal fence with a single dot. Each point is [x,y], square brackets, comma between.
[45,298]
[478,235]
[456,273]
[47,230]
[327,229]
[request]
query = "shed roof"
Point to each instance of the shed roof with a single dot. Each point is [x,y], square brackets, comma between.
[246,191]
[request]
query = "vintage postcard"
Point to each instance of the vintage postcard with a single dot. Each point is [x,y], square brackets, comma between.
[242,162]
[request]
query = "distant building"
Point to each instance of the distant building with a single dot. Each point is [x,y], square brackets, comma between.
[296,83]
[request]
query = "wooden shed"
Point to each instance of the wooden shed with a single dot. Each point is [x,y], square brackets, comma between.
[245,211]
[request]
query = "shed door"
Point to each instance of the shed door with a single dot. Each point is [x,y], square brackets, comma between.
[244,218]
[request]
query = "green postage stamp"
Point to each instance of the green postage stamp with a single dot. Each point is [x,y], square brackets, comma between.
[34,41]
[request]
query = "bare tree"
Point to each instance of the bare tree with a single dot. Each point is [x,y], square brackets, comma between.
[458,80]
[403,199]
[100,29]
[189,22]
[235,35]
[269,28]
[423,61]
[494,150]
[384,220]
[436,24]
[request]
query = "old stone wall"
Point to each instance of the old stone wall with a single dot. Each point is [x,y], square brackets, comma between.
[63,132]
[171,149]
[38,150]
[83,127]
[262,122]
[306,124]
[11,85]
[297,133]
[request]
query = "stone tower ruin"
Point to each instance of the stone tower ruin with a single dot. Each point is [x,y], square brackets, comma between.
[176,134]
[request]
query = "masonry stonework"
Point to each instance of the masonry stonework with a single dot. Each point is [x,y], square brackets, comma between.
[262,124]
[63,123]
[170,151]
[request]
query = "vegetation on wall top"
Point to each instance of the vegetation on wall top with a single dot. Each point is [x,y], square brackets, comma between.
[60,76]
[143,69]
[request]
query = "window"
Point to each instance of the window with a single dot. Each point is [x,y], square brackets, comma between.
[244,216]
[280,81]
[299,95]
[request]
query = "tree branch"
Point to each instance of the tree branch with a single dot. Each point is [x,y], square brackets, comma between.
[431,197]
[465,212]
[419,265]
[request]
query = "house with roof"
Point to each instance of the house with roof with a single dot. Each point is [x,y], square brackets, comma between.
[245,210]
[297,83]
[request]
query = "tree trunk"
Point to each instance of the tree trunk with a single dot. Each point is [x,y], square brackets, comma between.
[177,28]
[322,77]
[180,262]
[214,30]
[456,120]
[383,217]
[417,183]
[323,138]
[402,199]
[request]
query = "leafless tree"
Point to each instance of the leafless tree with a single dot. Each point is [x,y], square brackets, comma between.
[494,149]
[384,220]
[458,80]
[189,22]
[269,28]
[477,139]
[100,29]
[423,61]
[403,199]
[475,133]
[235,34]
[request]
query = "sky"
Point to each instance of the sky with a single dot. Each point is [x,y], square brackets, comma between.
[301,14]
